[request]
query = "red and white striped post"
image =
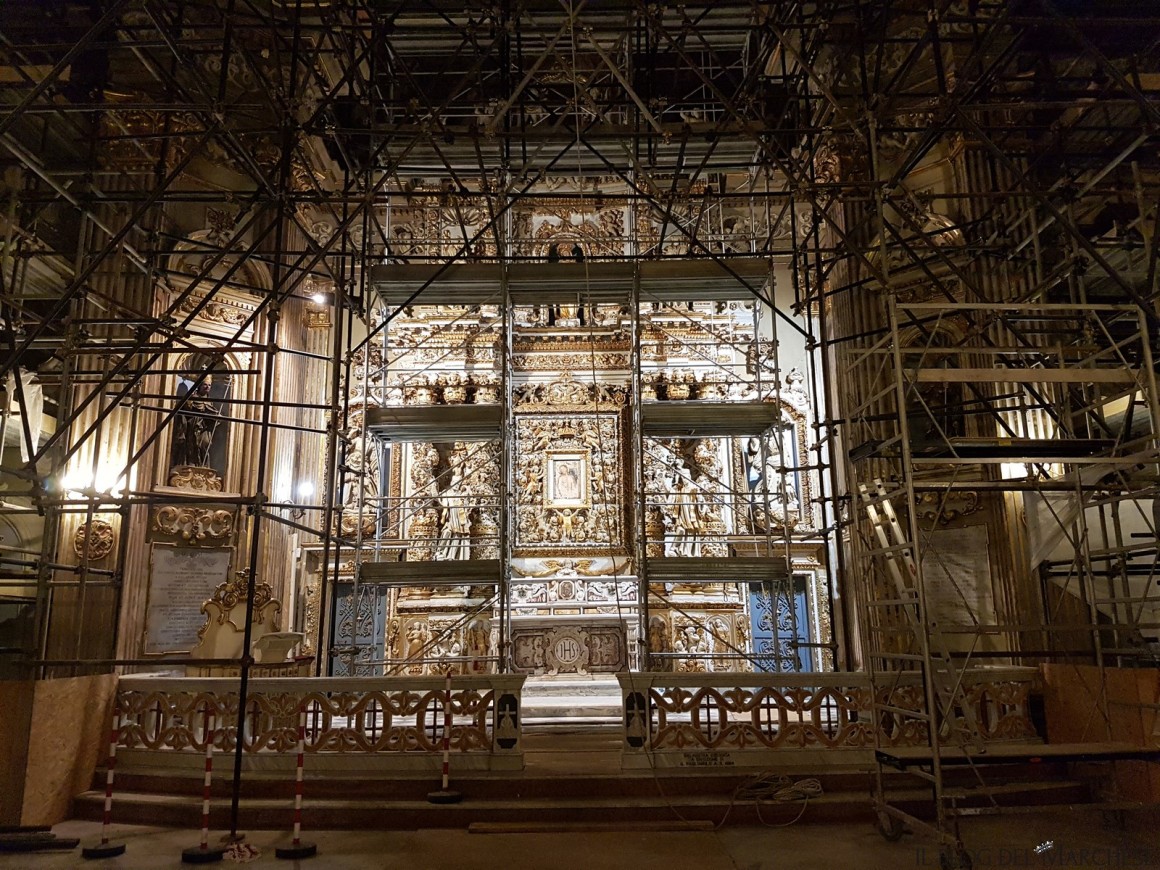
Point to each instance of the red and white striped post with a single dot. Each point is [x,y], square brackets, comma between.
[204,853]
[297,849]
[106,849]
[446,795]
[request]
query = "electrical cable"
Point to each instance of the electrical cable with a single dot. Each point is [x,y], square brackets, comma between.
[768,787]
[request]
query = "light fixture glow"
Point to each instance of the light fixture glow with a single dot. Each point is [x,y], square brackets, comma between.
[305,490]
[76,482]
[318,298]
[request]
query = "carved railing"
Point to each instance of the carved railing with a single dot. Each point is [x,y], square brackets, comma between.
[351,722]
[722,718]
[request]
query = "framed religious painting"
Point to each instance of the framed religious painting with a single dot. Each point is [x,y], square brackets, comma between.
[566,480]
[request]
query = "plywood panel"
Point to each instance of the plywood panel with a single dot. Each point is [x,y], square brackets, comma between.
[1073,700]
[70,723]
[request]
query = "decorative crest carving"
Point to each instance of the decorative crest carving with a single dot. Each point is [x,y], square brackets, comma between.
[194,523]
[233,592]
[566,392]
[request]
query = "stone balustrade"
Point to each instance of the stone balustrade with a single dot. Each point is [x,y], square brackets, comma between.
[366,724]
[397,721]
[725,719]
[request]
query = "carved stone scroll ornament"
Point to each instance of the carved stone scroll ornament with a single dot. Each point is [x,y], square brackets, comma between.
[194,523]
[94,540]
[232,315]
[947,507]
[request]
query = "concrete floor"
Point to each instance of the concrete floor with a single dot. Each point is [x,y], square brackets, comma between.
[1078,839]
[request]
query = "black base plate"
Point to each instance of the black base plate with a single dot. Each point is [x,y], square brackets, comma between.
[198,855]
[444,796]
[302,850]
[110,849]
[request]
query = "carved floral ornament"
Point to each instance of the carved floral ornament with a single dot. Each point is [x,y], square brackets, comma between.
[946,507]
[94,540]
[230,313]
[212,255]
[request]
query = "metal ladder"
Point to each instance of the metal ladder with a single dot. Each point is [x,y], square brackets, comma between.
[897,554]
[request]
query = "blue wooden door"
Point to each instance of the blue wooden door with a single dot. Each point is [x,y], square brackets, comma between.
[780,624]
[359,632]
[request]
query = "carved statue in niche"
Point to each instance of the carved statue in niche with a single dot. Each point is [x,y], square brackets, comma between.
[769,482]
[422,522]
[691,641]
[360,500]
[477,639]
[454,520]
[720,641]
[417,637]
[200,437]
[194,429]
[658,643]
[566,315]
[445,643]
[686,515]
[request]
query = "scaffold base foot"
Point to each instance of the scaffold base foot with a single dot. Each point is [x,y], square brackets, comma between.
[444,796]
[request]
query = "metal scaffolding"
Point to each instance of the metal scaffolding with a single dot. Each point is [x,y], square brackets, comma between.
[214,210]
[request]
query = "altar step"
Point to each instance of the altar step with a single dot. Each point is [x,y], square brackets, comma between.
[571,700]
[355,805]
[572,778]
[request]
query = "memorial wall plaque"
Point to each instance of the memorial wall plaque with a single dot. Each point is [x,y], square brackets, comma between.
[181,579]
[956,568]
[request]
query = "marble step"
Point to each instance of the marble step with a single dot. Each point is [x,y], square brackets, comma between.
[576,768]
[574,699]
[573,686]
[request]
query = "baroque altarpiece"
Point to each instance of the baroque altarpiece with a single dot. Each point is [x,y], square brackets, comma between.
[574,493]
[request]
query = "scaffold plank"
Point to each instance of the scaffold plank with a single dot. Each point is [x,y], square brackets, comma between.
[465,572]
[713,569]
[701,419]
[436,422]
